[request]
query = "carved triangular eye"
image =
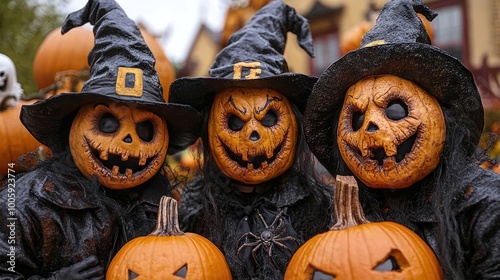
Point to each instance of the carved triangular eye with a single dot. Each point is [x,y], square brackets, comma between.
[390,264]
[132,275]
[182,272]
[318,275]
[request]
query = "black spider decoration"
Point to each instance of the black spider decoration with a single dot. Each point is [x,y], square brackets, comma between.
[269,237]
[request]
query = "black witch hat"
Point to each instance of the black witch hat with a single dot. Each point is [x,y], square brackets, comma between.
[398,45]
[121,70]
[253,58]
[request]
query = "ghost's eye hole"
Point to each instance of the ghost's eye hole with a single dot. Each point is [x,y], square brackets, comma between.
[357,120]
[318,275]
[145,130]
[396,110]
[390,264]
[108,123]
[234,123]
[270,119]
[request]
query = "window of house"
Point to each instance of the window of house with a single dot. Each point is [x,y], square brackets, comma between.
[326,51]
[449,31]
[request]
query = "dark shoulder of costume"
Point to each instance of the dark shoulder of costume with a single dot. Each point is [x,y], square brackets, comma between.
[478,214]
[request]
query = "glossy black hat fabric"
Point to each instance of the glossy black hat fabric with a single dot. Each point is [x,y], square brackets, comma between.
[253,58]
[121,70]
[397,45]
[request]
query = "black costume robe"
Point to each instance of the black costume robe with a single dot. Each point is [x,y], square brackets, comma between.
[61,218]
[298,214]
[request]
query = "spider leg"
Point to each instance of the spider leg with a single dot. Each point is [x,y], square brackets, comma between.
[254,251]
[247,234]
[277,242]
[278,217]
[262,219]
[256,243]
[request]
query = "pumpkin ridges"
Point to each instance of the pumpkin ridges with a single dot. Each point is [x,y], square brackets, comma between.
[340,252]
[429,259]
[160,256]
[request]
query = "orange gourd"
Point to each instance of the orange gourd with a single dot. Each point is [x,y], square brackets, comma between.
[169,253]
[59,53]
[354,248]
[15,140]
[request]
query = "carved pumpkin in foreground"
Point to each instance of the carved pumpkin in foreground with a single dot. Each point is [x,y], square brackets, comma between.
[357,249]
[390,132]
[123,146]
[169,253]
[252,134]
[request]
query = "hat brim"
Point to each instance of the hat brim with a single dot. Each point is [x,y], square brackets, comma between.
[49,120]
[198,91]
[438,73]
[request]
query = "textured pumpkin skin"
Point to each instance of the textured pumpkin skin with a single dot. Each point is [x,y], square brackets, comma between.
[276,140]
[354,252]
[423,126]
[91,148]
[160,257]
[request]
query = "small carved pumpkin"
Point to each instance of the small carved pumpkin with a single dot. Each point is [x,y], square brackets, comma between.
[357,249]
[121,145]
[252,134]
[169,253]
[391,132]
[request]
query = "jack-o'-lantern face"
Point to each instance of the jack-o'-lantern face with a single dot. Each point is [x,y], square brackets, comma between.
[252,134]
[122,146]
[391,132]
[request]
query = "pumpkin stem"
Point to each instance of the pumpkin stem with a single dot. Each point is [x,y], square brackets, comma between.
[348,210]
[168,218]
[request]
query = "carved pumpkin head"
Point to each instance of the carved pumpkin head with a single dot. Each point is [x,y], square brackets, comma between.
[391,132]
[169,253]
[121,145]
[252,134]
[355,248]
[397,45]
[116,126]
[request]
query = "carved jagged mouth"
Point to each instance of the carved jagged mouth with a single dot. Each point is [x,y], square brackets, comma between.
[403,149]
[255,162]
[120,164]
[115,162]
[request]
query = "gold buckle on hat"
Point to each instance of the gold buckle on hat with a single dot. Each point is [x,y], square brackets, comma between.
[254,70]
[123,86]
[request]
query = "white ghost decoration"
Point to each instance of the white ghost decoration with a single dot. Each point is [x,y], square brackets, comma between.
[10,89]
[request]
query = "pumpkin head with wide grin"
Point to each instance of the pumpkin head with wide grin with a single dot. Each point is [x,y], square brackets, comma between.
[390,132]
[121,145]
[252,134]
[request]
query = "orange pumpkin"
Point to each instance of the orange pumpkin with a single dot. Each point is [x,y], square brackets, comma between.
[59,53]
[66,54]
[391,131]
[15,140]
[121,145]
[169,253]
[357,249]
[252,134]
